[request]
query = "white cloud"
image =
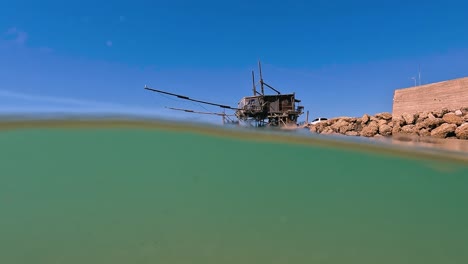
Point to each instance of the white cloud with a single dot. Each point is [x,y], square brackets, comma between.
[51,99]
[51,104]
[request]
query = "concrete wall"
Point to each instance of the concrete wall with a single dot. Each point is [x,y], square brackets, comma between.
[450,94]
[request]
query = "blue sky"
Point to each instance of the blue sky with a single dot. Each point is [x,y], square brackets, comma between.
[342,58]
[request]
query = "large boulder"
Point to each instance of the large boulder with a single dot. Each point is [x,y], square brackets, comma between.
[384,116]
[396,128]
[382,122]
[440,113]
[319,127]
[338,125]
[364,119]
[331,121]
[423,116]
[453,118]
[444,130]
[349,127]
[409,130]
[398,121]
[462,131]
[425,132]
[430,122]
[348,119]
[385,130]
[409,118]
[327,130]
[370,130]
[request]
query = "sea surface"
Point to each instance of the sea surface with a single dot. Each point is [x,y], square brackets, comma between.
[112,191]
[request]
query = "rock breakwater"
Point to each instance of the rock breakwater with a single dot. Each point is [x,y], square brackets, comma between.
[444,123]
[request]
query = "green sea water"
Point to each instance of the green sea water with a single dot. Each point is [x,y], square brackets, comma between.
[136,195]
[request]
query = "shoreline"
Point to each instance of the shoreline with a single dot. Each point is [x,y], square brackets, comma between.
[442,124]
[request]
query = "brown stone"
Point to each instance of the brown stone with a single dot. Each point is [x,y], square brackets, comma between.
[459,113]
[398,121]
[430,123]
[462,131]
[444,130]
[338,125]
[348,119]
[440,113]
[423,116]
[385,130]
[364,119]
[445,110]
[352,133]
[384,116]
[409,118]
[409,129]
[370,130]
[425,132]
[358,125]
[382,122]
[349,127]
[327,130]
[420,125]
[330,122]
[396,129]
[320,126]
[452,118]
[464,110]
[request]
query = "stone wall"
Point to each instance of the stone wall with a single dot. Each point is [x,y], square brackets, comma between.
[451,94]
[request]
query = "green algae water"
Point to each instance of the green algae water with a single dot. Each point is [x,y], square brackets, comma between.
[135,194]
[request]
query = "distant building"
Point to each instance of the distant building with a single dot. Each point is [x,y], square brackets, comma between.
[449,94]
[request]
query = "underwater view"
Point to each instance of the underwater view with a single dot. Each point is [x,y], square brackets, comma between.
[141,191]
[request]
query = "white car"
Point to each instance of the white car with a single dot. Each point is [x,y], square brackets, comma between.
[316,120]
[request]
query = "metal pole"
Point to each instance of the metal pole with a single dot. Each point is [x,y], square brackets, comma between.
[224,112]
[419,71]
[253,84]
[261,77]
